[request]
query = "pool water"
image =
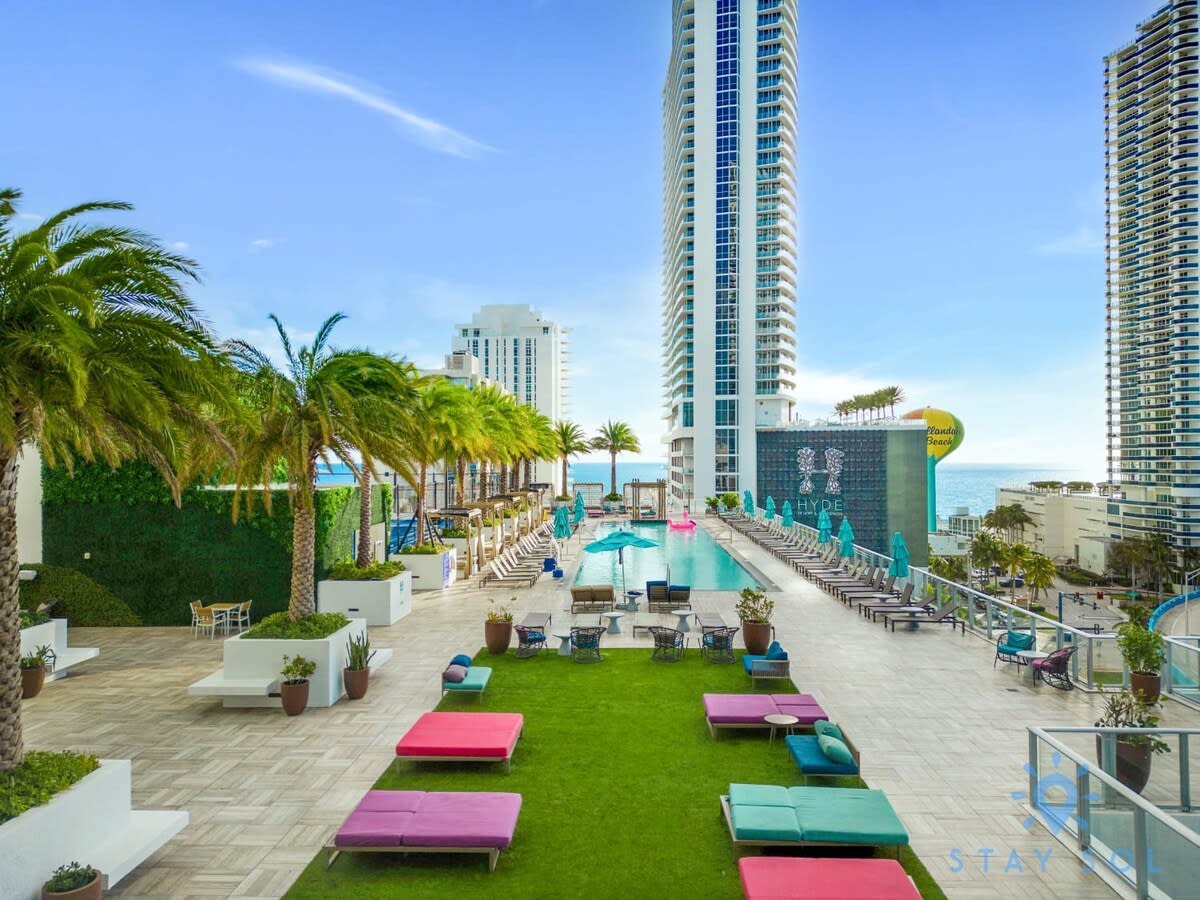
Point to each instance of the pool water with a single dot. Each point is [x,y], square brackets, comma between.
[681,557]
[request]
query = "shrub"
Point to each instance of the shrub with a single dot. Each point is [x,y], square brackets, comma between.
[70,877]
[31,617]
[454,532]
[1126,710]
[310,628]
[1079,577]
[40,777]
[358,652]
[754,607]
[296,669]
[424,549]
[561,497]
[36,659]
[346,570]
[1144,651]
[73,595]
[613,498]
[501,613]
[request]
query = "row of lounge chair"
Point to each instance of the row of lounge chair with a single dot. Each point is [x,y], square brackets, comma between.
[522,564]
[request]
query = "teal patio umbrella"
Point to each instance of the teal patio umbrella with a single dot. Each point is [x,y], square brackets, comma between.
[788,516]
[824,527]
[748,503]
[618,541]
[770,509]
[580,512]
[562,523]
[899,566]
[846,539]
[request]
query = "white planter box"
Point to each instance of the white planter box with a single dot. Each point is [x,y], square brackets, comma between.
[54,635]
[263,659]
[459,545]
[37,636]
[93,822]
[379,602]
[432,571]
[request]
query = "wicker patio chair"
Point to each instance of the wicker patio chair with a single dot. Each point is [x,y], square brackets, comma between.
[717,645]
[668,644]
[585,644]
[1052,669]
[530,642]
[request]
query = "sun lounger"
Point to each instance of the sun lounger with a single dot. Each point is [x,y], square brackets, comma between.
[811,759]
[474,682]
[748,710]
[772,816]
[799,878]
[947,614]
[592,598]
[462,736]
[433,822]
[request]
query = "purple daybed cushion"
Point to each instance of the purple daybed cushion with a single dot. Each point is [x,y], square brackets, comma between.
[436,819]
[738,709]
[803,706]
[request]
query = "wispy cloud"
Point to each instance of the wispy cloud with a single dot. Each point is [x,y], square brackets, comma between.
[1083,241]
[180,246]
[264,243]
[433,134]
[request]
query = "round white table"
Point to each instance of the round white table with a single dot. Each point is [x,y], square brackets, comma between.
[683,614]
[778,720]
[614,621]
[1029,656]
[564,648]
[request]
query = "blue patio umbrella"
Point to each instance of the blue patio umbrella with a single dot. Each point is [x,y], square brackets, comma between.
[748,503]
[824,527]
[788,516]
[899,566]
[619,540]
[562,523]
[770,509]
[580,512]
[846,539]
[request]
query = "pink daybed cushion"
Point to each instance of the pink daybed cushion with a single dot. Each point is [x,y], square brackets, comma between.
[796,878]
[482,734]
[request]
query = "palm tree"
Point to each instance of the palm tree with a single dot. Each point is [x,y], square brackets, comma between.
[102,355]
[615,437]
[322,403]
[1039,574]
[985,551]
[891,395]
[571,442]
[494,409]
[1014,558]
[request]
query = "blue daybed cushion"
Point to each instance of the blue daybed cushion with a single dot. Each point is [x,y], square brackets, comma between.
[461,660]
[806,751]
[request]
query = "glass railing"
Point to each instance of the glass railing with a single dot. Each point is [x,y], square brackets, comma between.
[1126,814]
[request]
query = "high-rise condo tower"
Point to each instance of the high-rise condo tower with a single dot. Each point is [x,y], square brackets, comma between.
[729,238]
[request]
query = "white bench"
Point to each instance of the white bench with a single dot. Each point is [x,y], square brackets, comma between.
[217,685]
[70,656]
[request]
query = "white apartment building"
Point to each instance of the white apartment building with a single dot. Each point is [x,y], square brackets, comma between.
[1152,147]
[525,354]
[729,238]
[1066,526]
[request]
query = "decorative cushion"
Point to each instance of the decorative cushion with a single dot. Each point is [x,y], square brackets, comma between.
[775,651]
[454,674]
[534,637]
[823,726]
[835,750]
[461,660]
[476,680]
[1019,640]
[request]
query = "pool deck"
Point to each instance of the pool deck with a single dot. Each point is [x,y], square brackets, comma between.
[939,729]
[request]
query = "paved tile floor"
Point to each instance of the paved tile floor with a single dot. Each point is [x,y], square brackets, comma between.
[939,729]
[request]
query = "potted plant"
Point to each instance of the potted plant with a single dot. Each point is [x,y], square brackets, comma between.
[1145,654]
[730,501]
[562,500]
[33,671]
[1135,752]
[711,504]
[293,690]
[497,627]
[754,609]
[613,502]
[74,881]
[358,661]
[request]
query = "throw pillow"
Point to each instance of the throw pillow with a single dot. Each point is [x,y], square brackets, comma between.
[834,750]
[821,726]
[775,651]
[461,660]
[454,674]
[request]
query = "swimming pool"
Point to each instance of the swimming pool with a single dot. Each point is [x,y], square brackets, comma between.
[681,557]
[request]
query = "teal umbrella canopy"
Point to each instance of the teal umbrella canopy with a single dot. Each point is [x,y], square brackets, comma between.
[899,566]
[748,503]
[846,539]
[824,527]
[580,512]
[562,523]
[770,509]
[618,540]
[788,516]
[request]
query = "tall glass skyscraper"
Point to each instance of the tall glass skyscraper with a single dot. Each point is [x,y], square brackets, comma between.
[1152,147]
[729,237]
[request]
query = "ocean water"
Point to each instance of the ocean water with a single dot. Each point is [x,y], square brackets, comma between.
[626,471]
[974,485]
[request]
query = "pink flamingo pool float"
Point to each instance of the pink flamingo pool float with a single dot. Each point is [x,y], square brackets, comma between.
[686,525]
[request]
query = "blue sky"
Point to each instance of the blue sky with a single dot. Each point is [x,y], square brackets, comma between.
[405,166]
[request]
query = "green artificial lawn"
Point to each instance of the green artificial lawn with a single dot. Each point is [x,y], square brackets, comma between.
[620,782]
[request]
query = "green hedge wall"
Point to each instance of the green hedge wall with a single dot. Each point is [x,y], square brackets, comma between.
[157,557]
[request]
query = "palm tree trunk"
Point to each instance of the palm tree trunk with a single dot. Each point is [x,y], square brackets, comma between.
[504,477]
[528,473]
[12,748]
[304,537]
[483,491]
[420,515]
[366,549]
[460,482]
[614,473]
[564,475]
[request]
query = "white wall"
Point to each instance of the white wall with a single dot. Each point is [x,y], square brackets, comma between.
[29,507]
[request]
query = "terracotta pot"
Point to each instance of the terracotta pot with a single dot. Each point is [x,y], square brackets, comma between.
[497,636]
[294,697]
[757,637]
[356,682]
[1133,764]
[90,891]
[1145,687]
[32,681]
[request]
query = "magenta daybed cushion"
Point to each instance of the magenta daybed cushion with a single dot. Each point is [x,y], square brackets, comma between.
[436,819]
[803,706]
[749,709]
